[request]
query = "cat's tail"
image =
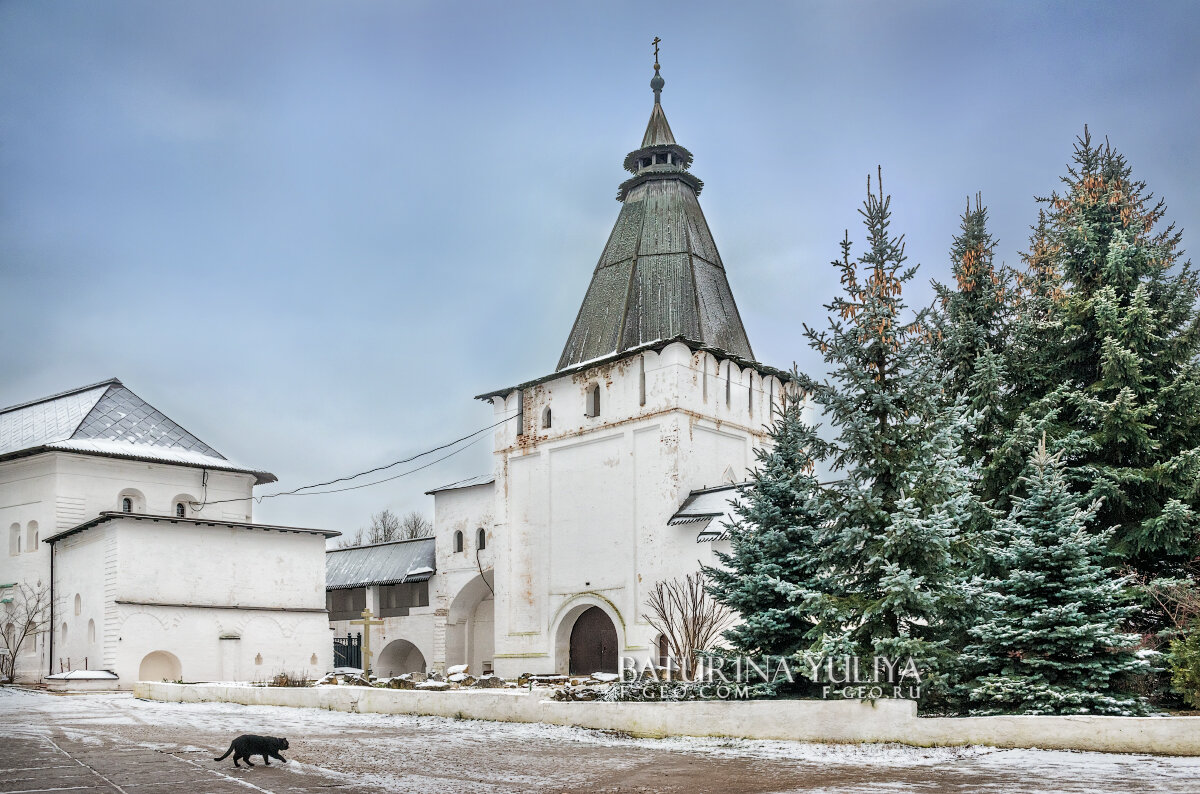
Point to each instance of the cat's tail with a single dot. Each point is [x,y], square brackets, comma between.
[227,752]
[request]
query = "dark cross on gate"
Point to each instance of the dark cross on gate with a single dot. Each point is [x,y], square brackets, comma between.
[366,623]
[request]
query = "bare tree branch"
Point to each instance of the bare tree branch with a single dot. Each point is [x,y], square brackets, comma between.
[682,611]
[26,616]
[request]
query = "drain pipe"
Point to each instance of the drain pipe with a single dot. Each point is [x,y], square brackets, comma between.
[50,628]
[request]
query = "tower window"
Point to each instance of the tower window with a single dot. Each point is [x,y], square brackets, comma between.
[546,418]
[126,505]
[458,541]
[660,158]
[593,401]
[180,510]
[482,544]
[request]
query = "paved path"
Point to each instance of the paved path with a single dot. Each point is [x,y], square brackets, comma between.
[107,743]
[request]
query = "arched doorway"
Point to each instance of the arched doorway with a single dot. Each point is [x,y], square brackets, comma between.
[470,627]
[160,666]
[593,643]
[399,656]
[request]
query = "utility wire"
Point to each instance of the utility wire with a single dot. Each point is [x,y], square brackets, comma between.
[303,490]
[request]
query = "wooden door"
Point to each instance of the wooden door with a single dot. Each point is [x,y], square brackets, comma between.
[593,644]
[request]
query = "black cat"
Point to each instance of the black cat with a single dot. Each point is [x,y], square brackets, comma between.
[248,744]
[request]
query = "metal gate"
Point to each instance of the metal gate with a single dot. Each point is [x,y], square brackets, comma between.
[593,643]
[347,651]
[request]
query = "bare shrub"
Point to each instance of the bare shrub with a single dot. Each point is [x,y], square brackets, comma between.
[682,611]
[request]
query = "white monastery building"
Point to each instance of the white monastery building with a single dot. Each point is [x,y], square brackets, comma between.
[144,537]
[607,471]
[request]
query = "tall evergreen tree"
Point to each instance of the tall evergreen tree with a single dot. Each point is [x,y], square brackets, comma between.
[903,490]
[1125,365]
[773,573]
[1051,642]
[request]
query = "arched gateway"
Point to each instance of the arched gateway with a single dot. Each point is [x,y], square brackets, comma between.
[593,643]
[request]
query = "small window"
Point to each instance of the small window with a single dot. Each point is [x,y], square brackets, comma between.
[126,505]
[64,633]
[91,632]
[481,537]
[458,541]
[78,604]
[593,401]
[660,158]
[180,510]
[258,658]
[14,540]
[31,536]
[546,418]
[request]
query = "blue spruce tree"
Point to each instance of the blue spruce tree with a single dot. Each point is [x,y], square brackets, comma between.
[1051,641]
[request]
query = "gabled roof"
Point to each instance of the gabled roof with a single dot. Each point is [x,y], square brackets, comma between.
[659,276]
[709,511]
[108,419]
[380,564]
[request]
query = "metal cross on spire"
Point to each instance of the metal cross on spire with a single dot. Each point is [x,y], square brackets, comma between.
[657,83]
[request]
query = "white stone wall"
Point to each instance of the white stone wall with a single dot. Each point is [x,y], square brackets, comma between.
[234,604]
[53,491]
[836,721]
[581,506]
[462,588]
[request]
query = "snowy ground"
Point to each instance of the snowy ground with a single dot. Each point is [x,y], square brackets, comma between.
[114,742]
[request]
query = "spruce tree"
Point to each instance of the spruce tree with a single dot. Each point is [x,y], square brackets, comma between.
[772,576]
[1051,640]
[1125,361]
[902,490]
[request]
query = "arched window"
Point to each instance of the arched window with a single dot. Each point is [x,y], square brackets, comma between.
[546,418]
[593,401]
[126,505]
[78,604]
[180,510]
[458,541]
[91,632]
[64,633]
[481,537]
[14,539]
[31,536]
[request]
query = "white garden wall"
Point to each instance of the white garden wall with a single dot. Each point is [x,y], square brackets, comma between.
[842,721]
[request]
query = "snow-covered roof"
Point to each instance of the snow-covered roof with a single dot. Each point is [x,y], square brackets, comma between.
[470,482]
[107,419]
[709,510]
[380,563]
[113,515]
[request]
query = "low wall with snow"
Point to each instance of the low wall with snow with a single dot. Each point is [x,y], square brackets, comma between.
[840,721]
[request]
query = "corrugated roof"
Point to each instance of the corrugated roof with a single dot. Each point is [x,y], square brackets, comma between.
[380,563]
[108,419]
[709,511]
[660,276]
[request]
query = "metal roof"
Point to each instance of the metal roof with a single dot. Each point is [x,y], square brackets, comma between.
[112,515]
[107,419]
[709,510]
[470,482]
[660,276]
[380,563]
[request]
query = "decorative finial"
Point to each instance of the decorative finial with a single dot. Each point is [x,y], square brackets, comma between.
[656,82]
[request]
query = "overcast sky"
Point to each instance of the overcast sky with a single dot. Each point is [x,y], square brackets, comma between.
[310,232]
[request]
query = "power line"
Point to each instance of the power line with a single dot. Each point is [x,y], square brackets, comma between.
[303,490]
